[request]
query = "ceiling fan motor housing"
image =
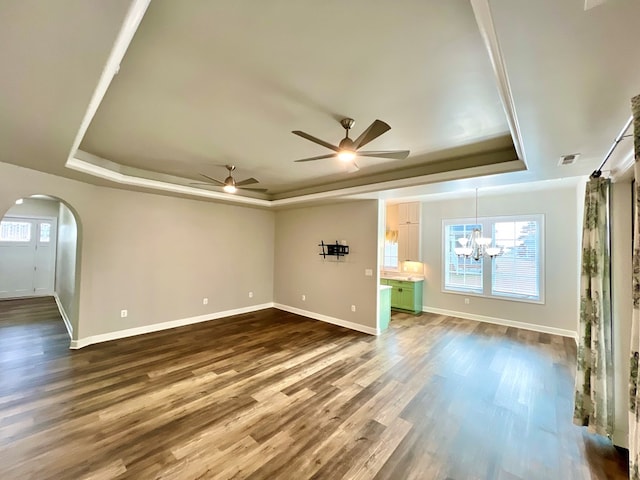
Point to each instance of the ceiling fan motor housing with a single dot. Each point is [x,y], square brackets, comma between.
[346,144]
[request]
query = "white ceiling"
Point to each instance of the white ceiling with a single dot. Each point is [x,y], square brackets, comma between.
[203,84]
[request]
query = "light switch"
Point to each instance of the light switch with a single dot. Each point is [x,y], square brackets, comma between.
[368,272]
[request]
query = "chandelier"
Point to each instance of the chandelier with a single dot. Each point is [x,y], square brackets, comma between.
[475,245]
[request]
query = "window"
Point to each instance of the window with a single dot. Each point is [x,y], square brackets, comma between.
[390,261]
[45,232]
[516,274]
[15,231]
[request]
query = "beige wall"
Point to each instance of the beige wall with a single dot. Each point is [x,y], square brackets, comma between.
[561,256]
[67,244]
[34,207]
[621,247]
[156,256]
[330,287]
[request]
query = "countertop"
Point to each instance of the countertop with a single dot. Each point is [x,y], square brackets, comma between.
[385,287]
[402,277]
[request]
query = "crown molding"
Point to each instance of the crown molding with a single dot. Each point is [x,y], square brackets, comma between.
[484,19]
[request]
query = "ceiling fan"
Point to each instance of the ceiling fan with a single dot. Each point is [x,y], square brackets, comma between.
[348,149]
[230,185]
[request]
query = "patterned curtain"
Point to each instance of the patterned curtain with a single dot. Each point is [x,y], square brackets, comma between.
[594,377]
[634,397]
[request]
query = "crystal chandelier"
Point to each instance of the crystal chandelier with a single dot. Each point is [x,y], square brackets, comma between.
[475,245]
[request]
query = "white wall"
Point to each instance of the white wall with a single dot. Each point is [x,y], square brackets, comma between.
[621,304]
[67,244]
[330,286]
[156,256]
[559,205]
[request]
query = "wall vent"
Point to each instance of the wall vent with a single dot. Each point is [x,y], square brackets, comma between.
[568,159]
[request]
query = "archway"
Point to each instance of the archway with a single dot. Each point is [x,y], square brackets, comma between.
[42,233]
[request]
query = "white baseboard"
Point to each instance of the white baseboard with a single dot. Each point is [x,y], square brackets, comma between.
[502,321]
[64,316]
[130,332]
[328,319]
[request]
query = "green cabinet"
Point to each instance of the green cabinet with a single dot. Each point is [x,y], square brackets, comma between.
[405,295]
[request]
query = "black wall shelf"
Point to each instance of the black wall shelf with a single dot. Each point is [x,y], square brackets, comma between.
[333,249]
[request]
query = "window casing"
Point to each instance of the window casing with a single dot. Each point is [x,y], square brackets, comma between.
[517,274]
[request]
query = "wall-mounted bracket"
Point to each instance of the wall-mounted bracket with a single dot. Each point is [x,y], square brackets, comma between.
[333,249]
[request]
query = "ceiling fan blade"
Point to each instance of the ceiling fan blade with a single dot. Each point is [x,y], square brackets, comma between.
[377,128]
[395,154]
[316,140]
[203,184]
[330,155]
[218,182]
[248,181]
[254,189]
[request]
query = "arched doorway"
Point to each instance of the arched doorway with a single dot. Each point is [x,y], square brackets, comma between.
[39,253]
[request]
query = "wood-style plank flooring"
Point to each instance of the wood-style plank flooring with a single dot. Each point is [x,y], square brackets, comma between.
[272,395]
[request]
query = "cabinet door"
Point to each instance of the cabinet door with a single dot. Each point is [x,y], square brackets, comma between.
[403,242]
[403,213]
[396,296]
[413,212]
[406,298]
[413,243]
[408,213]
[409,243]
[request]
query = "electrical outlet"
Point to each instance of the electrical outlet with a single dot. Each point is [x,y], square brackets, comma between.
[205,301]
[466,301]
[123,313]
[353,308]
[304,298]
[250,294]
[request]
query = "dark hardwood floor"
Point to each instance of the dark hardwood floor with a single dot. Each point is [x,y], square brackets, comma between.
[272,395]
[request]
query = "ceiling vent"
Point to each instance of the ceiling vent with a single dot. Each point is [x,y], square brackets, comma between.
[568,159]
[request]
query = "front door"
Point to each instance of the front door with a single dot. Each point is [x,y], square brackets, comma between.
[27,256]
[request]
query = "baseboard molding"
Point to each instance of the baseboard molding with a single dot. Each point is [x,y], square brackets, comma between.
[502,321]
[156,327]
[64,316]
[328,319]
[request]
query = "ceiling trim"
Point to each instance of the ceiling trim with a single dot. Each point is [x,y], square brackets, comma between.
[117,177]
[482,12]
[132,20]
[621,169]
[123,179]
[125,36]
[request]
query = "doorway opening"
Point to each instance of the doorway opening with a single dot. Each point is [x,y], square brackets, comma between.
[39,249]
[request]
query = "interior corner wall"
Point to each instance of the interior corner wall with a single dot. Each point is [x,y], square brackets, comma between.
[67,245]
[330,286]
[156,256]
[621,304]
[561,277]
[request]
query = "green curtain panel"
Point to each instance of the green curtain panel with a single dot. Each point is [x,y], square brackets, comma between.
[593,405]
[634,398]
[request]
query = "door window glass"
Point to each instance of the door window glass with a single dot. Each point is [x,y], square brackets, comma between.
[15,231]
[45,232]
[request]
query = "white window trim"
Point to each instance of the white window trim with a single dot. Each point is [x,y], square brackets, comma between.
[487,262]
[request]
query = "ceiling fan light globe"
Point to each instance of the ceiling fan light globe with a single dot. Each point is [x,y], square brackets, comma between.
[347,155]
[229,188]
